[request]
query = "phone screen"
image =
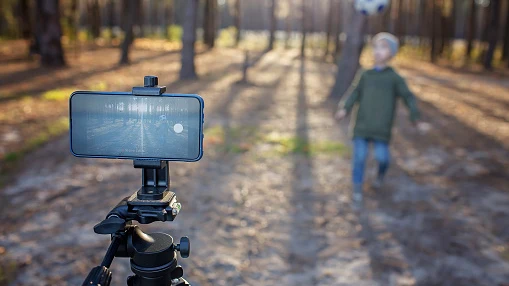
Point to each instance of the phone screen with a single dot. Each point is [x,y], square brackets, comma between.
[121,125]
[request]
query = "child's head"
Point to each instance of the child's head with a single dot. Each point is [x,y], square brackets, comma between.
[385,47]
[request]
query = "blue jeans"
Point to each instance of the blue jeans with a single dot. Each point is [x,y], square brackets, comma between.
[360,153]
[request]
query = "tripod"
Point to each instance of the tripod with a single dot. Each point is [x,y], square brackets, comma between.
[153,257]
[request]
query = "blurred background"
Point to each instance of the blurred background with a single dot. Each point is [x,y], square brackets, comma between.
[269,204]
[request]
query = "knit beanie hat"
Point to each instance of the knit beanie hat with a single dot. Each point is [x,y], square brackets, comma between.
[390,39]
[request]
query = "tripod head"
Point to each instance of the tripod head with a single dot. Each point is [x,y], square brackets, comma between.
[153,256]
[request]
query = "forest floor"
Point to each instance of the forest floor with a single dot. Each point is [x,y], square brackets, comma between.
[269,204]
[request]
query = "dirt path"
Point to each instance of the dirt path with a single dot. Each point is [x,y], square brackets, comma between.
[269,204]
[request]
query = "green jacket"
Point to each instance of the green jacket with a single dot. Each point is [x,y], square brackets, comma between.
[376,95]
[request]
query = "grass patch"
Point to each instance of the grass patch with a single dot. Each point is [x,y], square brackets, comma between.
[174,33]
[245,138]
[7,272]
[49,131]
[285,145]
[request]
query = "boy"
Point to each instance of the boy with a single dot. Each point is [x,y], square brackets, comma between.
[376,95]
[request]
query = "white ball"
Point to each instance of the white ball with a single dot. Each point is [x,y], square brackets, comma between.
[371,7]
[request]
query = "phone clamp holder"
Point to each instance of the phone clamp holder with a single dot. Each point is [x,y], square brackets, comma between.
[153,256]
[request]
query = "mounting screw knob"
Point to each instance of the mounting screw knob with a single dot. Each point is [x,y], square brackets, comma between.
[150,81]
[184,247]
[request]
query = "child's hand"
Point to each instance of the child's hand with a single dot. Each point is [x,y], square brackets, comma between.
[423,127]
[340,114]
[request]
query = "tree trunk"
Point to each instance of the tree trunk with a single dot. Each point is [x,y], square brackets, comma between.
[348,63]
[304,30]
[505,49]
[272,25]
[49,33]
[434,20]
[400,22]
[128,14]
[187,70]
[422,25]
[25,22]
[330,15]
[111,17]
[472,19]
[493,30]
[237,22]
[94,18]
[139,18]
[337,34]
[169,17]
[289,24]
[209,23]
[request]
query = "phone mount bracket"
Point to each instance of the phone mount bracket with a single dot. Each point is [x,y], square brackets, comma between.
[150,87]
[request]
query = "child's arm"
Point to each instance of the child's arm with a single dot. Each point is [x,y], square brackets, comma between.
[345,107]
[409,98]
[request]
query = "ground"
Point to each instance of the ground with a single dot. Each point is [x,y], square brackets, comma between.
[269,204]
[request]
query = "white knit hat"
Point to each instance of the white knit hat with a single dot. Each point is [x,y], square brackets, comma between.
[390,39]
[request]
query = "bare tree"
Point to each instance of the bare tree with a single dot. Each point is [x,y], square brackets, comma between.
[434,22]
[188,70]
[330,16]
[94,18]
[505,49]
[472,19]
[494,28]
[49,32]
[304,30]
[272,24]
[128,23]
[209,23]
[237,22]
[289,23]
[25,22]
[339,27]
[348,63]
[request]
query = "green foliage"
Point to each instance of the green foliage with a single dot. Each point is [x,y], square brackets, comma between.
[175,33]
[11,157]
[227,37]
[57,94]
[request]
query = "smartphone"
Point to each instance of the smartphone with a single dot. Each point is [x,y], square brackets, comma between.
[117,125]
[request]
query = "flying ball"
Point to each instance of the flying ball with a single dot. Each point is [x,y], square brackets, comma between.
[371,7]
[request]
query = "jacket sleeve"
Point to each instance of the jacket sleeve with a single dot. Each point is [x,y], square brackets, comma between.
[354,94]
[408,98]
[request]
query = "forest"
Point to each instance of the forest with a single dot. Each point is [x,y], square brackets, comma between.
[270,202]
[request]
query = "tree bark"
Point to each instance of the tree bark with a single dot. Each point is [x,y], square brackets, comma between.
[433,50]
[25,22]
[209,23]
[139,18]
[337,34]
[237,22]
[94,18]
[49,33]
[505,49]
[400,22]
[304,30]
[289,24]
[492,36]
[472,19]
[329,27]
[188,70]
[169,17]
[348,63]
[128,13]
[111,17]
[272,25]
